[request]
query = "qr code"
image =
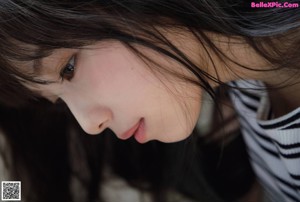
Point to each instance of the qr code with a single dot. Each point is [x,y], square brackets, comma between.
[11,191]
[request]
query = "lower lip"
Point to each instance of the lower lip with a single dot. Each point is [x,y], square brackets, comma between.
[139,134]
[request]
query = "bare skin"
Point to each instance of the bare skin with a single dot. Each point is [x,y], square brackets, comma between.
[283,100]
[94,63]
[235,49]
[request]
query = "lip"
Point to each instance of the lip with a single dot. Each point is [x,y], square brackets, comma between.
[131,131]
[139,134]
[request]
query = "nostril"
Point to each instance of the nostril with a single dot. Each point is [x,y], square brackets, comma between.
[103,125]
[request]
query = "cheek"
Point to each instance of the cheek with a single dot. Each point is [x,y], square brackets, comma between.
[118,80]
[114,65]
[184,112]
[117,70]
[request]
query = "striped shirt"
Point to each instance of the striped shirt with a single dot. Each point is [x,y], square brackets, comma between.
[273,144]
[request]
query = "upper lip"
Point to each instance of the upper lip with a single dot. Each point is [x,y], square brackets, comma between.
[130,131]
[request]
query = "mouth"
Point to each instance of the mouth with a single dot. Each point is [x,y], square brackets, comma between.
[140,133]
[130,132]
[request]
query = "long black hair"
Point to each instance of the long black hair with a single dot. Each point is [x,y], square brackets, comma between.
[32,29]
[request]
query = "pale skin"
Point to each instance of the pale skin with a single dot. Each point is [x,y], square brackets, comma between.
[113,88]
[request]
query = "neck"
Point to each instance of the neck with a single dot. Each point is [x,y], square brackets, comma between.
[283,85]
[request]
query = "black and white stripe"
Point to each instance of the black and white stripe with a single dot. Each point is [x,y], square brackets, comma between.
[273,144]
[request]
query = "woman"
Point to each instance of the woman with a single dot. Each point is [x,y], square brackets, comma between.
[141,69]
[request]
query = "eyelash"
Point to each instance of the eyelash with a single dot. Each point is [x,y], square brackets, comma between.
[68,71]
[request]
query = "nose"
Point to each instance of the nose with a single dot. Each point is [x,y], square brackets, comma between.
[92,118]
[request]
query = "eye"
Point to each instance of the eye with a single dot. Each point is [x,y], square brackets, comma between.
[68,71]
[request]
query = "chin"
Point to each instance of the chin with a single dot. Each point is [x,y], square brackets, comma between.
[174,138]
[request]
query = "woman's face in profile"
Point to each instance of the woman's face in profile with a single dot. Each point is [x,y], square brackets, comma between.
[110,87]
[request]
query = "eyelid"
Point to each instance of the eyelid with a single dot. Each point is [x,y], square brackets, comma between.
[72,57]
[71,61]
